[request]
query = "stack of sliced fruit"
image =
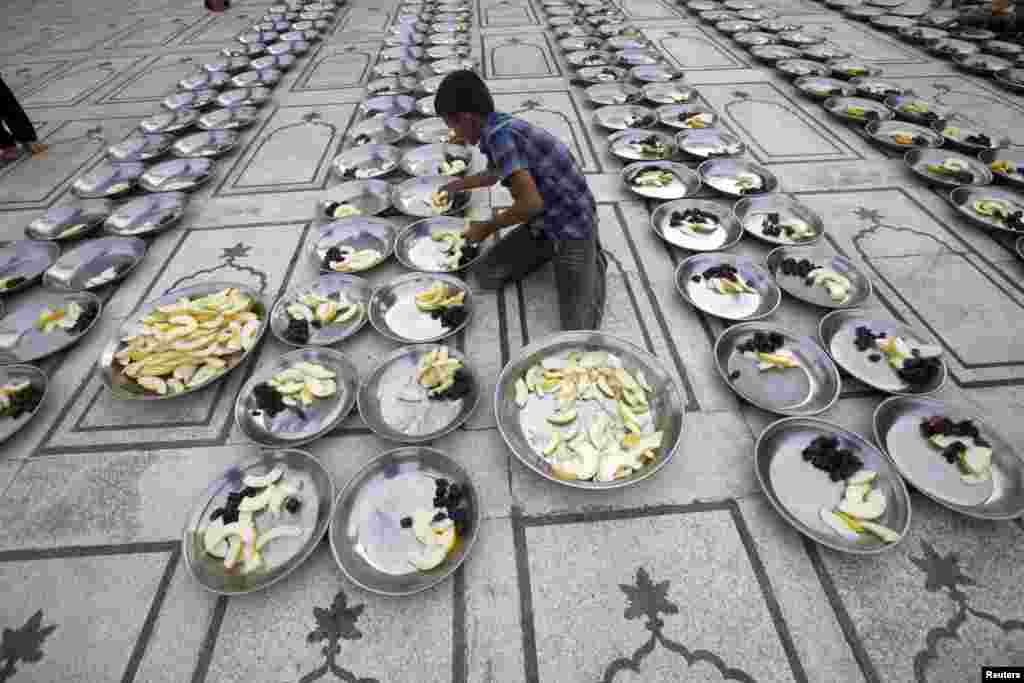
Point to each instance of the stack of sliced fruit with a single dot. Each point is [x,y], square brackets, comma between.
[316,308]
[452,245]
[232,532]
[438,297]
[303,383]
[861,504]
[766,348]
[437,371]
[63,317]
[654,178]
[961,444]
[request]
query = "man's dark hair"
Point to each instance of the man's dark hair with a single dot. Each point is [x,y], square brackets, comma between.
[463,91]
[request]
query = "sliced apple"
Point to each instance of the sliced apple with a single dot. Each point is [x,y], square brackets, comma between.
[562,418]
[976,460]
[277,532]
[430,557]
[862,476]
[871,507]
[522,393]
[884,533]
[838,524]
[421,520]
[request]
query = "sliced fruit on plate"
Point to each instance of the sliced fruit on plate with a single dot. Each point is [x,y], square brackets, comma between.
[63,317]
[653,178]
[953,168]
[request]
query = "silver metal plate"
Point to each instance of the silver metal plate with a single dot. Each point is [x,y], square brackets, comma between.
[178,175]
[892,22]
[281,62]
[677,115]
[250,51]
[282,555]
[626,43]
[355,289]
[140,147]
[897,425]
[798,490]
[22,342]
[623,116]
[169,121]
[905,107]
[709,143]
[267,78]
[358,232]
[370,197]
[951,47]
[624,145]
[668,93]
[301,424]
[367,540]
[229,65]
[876,88]
[210,143]
[446,66]
[147,215]
[957,139]
[1012,78]
[795,286]
[16,374]
[193,99]
[884,133]
[397,408]
[125,388]
[721,175]
[641,57]
[733,26]
[203,80]
[396,67]
[95,263]
[108,179]
[778,53]
[657,73]
[693,287]
[416,248]
[1015,157]
[778,25]
[68,223]
[388,105]
[923,34]
[447,39]
[583,58]
[602,74]
[729,231]
[379,130]
[367,161]
[26,259]
[809,389]
[577,43]
[850,67]
[825,52]
[413,197]
[263,37]
[255,96]
[963,198]
[613,93]
[517,425]
[430,131]
[838,331]
[752,39]
[685,182]
[822,88]
[838,107]
[427,160]
[425,106]
[393,311]
[748,212]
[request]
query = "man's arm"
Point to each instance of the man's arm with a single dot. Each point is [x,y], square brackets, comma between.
[528,203]
[472,182]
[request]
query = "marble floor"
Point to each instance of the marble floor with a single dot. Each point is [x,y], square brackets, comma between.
[691,575]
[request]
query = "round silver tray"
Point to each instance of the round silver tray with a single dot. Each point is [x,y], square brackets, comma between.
[367,541]
[430,131]
[657,73]
[963,198]
[395,407]
[582,58]
[388,105]
[674,92]
[353,287]
[709,143]
[283,555]
[22,342]
[621,145]
[281,62]
[849,67]
[250,51]
[192,99]
[370,197]
[108,180]
[267,78]
[794,285]
[838,331]
[786,207]
[229,65]
[427,160]
[737,307]
[177,175]
[211,143]
[918,160]
[367,161]
[147,215]
[666,403]
[417,250]
[140,146]
[685,184]
[446,66]
[203,80]
[752,39]
[715,172]
[602,74]
[882,132]
[957,142]
[822,88]
[935,111]
[825,52]
[68,222]
[613,93]
[85,266]
[733,26]
[394,314]
[169,121]
[809,389]
[876,88]
[16,374]
[798,491]
[892,22]
[897,427]
[837,106]
[358,232]
[27,259]
[625,116]
[295,426]
[675,115]
[725,237]
[396,67]
[122,387]
[778,53]
[379,130]
[413,196]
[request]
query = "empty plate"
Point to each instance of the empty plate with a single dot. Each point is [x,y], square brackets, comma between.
[415,196]
[140,147]
[430,131]
[22,263]
[366,197]
[369,543]
[805,289]
[809,389]
[394,313]
[801,67]
[435,160]
[388,105]
[758,214]
[336,286]
[663,180]
[900,135]
[211,143]
[737,178]
[397,407]
[297,425]
[182,175]
[696,280]
[752,39]
[147,215]
[95,263]
[367,161]
[418,246]
[897,427]
[360,233]
[21,337]
[838,333]
[108,179]
[380,130]
[68,222]
[799,491]
[718,228]
[825,52]
[623,116]
[641,145]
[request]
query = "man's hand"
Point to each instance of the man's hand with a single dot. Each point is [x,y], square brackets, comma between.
[478,231]
[457,185]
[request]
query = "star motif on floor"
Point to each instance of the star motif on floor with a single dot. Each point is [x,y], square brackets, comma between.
[530,104]
[312,116]
[238,251]
[942,572]
[872,215]
[648,599]
[515,41]
[741,95]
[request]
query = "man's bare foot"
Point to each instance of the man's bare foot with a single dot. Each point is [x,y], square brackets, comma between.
[8,153]
[38,147]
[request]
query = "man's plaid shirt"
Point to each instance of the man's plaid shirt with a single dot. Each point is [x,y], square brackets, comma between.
[512,144]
